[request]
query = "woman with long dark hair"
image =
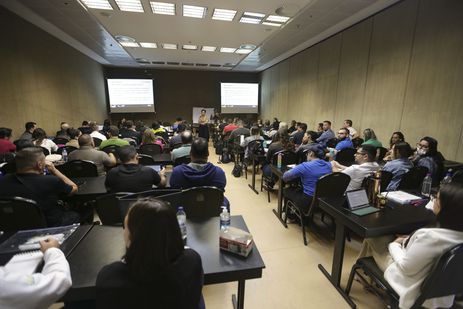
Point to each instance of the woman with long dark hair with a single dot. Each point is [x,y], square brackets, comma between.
[39,138]
[156,270]
[428,156]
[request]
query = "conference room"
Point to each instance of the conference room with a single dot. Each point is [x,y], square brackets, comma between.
[386,65]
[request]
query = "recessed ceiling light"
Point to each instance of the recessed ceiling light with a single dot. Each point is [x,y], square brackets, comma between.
[251,14]
[124,38]
[190,47]
[271,24]
[248,20]
[98,4]
[169,46]
[223,14]
[227,50]
[148,45]
[129,44]
[209,48]
[194,11]
[277,19]
[130,5]
[163,8]
[215,65]
[243,51]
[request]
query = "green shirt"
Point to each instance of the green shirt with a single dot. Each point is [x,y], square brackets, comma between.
[114,141]
[373,142]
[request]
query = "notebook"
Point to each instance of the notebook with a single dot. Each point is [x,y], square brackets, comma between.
[25,263]
[357,201]
[401,197]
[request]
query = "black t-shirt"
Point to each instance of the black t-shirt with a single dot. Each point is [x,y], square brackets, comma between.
[44,189]
[131,178]
[126,133]
[178,288]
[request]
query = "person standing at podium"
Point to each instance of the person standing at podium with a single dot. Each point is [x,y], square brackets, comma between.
[203,128]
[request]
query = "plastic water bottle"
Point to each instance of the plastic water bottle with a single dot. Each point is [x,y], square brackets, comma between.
[181,218]
[279,159]
[65,155]
[448,178]
[427,183]
[224,219]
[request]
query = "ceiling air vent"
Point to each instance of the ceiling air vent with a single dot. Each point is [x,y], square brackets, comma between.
[215,65]
[187,63]
[158,62]
[173,63]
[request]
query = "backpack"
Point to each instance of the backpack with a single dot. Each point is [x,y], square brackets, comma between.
[226,157]
[237,170]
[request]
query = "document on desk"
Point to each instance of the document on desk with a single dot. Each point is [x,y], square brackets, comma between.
[401,197]
[24,263]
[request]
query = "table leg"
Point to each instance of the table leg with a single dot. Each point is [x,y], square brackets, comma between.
[336,268]
[253,186]
[278,211]
[238,300]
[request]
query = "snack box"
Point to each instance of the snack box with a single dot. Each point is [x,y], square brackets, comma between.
[236,241]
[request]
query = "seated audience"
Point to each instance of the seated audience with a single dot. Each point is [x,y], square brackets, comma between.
[428,156]
[39,290]
[307,141]
[229,127]
[309,172]
[5,144]
[395,138]
[39,138]
[177,139]
[279,143]
[129,131]
[74,135]
[177,121]
[273,130]
[156,268]
[113,139]
[95,132]
[365,159]
[106,125]
[85,128]
[131,176]
[299,135]
[63,132]
[24,143]
[343,143]
[149,137]
[240,130]
[348,125]
[320,129]
[267,127]
[255,135]
[369,137]
[293,127]
[399,164]
[88,152]
[30,182]
[30,127]
[184,150]
[159,131]
[327,133]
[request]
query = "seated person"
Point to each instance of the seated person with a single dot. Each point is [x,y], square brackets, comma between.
[365,159]
[39,290]
[343,143]
[184,150]
[427,155]
[39,138]
[280,142]
[114,139]
[30,127]
[326,134]
[156,268]
[369,138]
[131,176]
[30,182]
[5,144]
[307,141]
[309,172]
[408,260]
[176,139]
[129,131]
[85,128]
[348,125]
[293,127]
[95,132]
[395,138]
[299,135]
[255,135]
[240,130]
[159,131]
[149,137]
[63,132]
[230,127]
[74,135]
[399,165]
[88,152]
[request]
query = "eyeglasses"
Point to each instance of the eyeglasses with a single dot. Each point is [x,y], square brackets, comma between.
[341,133]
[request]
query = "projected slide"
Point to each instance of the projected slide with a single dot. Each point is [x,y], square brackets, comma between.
[239,98]
[131,95]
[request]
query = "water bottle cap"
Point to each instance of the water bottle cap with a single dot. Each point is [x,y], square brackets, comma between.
[180,208]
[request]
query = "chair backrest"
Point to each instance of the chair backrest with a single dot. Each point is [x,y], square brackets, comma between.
[256,147]
[302,156]
[445,278]
[346,156]
[332,142]
[144,159]
[97,141]
[330,185]
[199,202]
[182,160]
[380,153]
[173,197]
[413,179]
[17,213]
[357,142]
[79,168]
[107,208]
[6,157]
[288,157]
[8,168]
[150,149]
[60,141]
[69,149]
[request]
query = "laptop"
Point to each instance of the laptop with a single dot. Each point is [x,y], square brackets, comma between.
[357,201]
[156,168]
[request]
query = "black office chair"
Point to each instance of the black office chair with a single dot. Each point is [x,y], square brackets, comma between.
[173,196]
[144,159]
[97,141]
[200,202]
[331,185]
[255,152]
[107,208]
[357,142]
[60,141]
[8,168]
[413,179]
[17,213]
[112,149]
[150,149]
[458,177]
[380,153]
[331,143]
[386,178]
[444,279]
[346,156]
[288,158]
[69,149]
[182,160]
[78,168]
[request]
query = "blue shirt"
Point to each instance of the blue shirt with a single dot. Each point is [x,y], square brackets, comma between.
[325,137]
[309,172]
[398,168]
[345,143]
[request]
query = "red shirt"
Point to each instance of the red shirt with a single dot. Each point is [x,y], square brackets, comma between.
[229,128]
[6,146]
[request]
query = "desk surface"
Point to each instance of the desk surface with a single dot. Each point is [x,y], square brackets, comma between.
[393,219]
[104,245]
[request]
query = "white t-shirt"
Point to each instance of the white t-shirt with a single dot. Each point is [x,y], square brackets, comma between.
[352,132]
[358,172]
[49,145]
[98,135]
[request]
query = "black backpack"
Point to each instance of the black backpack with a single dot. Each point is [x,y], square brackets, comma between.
[226,156]
[237,170]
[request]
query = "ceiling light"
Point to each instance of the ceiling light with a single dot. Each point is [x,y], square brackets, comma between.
[243,51]
[169,46]
[248,20]
[190,47]
[194,11]
[163,8]
[227,50]
[271,24]
[124,38]
[130,5]
[98,4]
[222,14]
[278,19]
[209,48]
[251,14]
[129,44]
[148,45]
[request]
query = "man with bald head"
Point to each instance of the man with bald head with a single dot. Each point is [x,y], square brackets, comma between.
[88,152]
[184,150]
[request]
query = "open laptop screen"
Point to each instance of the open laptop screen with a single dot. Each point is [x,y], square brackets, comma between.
[357,199]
